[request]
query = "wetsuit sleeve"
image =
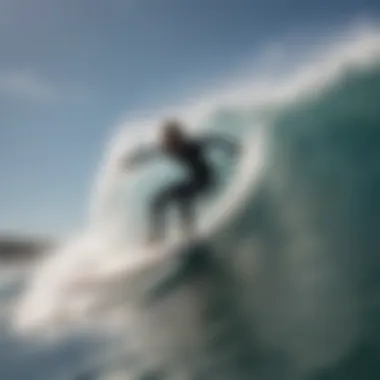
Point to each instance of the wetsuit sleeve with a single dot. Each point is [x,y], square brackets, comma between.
[142,156]
[230,146]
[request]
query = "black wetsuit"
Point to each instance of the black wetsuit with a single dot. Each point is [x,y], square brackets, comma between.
[192,156]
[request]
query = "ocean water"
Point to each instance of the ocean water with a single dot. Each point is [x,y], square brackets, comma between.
[284,280]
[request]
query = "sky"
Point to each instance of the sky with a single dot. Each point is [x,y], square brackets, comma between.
[71,69]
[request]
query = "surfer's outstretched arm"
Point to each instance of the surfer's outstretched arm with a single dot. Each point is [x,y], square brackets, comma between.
[228,145]
[141,157]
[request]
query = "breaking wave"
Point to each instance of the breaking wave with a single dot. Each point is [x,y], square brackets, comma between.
[283,282]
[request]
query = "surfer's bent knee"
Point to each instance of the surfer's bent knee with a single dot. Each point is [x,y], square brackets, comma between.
[160,200]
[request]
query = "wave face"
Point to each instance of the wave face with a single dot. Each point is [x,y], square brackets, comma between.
[285,287]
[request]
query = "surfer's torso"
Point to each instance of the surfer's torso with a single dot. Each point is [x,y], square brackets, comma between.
[192,155]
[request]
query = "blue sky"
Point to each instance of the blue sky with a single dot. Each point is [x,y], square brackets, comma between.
[69,70]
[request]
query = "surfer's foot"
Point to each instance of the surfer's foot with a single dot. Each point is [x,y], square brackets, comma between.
[153,241]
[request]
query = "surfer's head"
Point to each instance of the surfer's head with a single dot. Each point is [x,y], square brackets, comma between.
[173,134]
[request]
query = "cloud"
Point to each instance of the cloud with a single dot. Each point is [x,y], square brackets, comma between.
[25,84]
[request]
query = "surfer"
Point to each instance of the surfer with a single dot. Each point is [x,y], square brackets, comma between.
[191,154]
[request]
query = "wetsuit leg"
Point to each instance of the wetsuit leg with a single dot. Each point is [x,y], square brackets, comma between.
[185,195]
[158,210]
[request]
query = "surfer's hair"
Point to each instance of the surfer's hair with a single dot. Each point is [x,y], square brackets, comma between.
[173,127]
